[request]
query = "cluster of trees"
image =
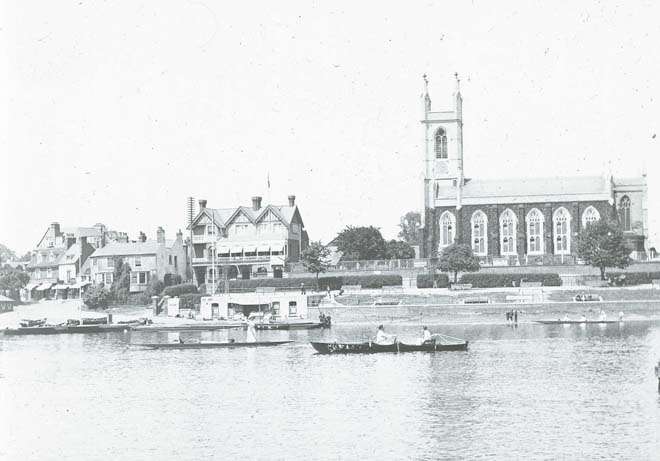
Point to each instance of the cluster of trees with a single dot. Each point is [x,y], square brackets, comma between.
[12,281]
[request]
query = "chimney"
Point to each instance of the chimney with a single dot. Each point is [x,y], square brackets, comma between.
[179,236]
[160,235]
[292,200]
[256,203]
[55,229]
[202,205]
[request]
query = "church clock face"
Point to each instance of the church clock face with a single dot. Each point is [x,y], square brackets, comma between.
[442,168]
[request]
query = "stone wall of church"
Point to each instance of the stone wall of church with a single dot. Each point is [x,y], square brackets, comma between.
[463,231]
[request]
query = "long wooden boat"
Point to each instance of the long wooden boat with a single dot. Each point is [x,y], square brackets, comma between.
[201,326]
[288,325]
[212,345]
[370,347]
[63,329]
[572,322]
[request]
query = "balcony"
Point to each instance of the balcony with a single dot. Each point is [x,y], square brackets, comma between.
[234,260]
[204,238]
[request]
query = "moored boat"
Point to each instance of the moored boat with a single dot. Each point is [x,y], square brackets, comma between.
[370,347]
[212,345]
[288,325]
[570,322]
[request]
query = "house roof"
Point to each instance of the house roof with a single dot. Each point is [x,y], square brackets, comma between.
[71,255]
[128,249]
[5,299]
[82,231]
[223,216]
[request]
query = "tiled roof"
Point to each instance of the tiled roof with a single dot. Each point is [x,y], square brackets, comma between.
[82,231]
[223,215]
[535,186]
[126,249]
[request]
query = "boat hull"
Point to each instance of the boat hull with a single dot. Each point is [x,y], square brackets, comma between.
[572,322]
[63,329]
[212,345]
[288,326]
[373,348]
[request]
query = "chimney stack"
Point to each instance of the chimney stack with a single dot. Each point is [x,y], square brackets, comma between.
[292,200]
[256,203]
[202,205]
[55,229]
[160,235]
[179,236]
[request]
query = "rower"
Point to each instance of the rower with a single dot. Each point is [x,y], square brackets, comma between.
[620,316]
[426,334]
[566,319]
[603,315]
[382,337]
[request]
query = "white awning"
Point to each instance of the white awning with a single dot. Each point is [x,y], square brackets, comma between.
[61,287]
[85,283]
[277,247]
[45,286]
[236,249]
[31,286]
[263,248]
[250,249]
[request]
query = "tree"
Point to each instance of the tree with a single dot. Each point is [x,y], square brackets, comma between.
[601,244]
[360,243]
[458,258]
[26,257]
[155,287]
[6,254]
[315,259]
[411,228]
[121,280]
[396,249]
[13,281]
[97,297]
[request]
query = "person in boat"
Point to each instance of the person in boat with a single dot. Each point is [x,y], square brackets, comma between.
[620,316]
[602,315]
[384,338]
[583,318]
[251,332]
[657,374]
[515,316]
[566,319]
[426,334]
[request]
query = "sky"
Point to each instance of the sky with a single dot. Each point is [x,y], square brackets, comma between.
[115,112]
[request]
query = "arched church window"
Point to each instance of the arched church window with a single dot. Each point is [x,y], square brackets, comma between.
[479,223]
[562,231]
[447,229]
[624,213]
[534,231]
[440,143]
[590,215]
[508,223]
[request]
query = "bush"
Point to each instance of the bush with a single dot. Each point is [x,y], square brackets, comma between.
[97,297]
[632,278]
[155,287]
[334,283]
[171,279]
[426,281]
[190,300]
[139,299]
[490,280]
[178,290]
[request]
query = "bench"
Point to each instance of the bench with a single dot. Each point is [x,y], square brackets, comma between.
[460,286]
[477,300]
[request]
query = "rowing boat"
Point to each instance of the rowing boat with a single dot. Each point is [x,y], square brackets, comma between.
[288,325]
[211,345]
[571,322]
[370,347]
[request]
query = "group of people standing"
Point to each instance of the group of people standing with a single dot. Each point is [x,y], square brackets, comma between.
[512,316]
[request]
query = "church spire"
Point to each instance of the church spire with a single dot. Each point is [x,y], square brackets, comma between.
[427,98]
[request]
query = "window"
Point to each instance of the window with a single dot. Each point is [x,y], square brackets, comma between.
[170,259]
[479,233]
[293,308]
[37,274]
[68,276]
[108,278]
[95,262]
[276,308]
[562,227]
[440,143]
[51,257]
[624,213]
[134,278]
[143,278]
[508,226]
[590,215]
[138,261]
[534,232]
[277,227]
[175,262]
[447,224]
[209,229]
[49,272]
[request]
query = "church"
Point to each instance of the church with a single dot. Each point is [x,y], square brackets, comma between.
[516,221]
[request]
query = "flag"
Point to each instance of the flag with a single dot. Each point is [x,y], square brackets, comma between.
[268,181]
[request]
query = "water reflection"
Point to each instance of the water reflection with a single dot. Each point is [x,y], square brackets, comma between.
[535,391]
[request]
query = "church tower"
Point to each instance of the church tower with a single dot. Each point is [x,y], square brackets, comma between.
[443,150]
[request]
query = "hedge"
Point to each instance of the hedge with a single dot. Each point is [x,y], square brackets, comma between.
[426,281]
[334,283]
[190,300]
[632,278]
[178,290]
[490,280]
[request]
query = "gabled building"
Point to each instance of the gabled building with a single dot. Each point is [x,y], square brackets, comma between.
[246,242]
[147,260]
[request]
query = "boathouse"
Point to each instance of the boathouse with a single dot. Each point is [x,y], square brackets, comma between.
[283,305]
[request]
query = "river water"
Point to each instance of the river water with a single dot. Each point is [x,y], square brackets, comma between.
[531,392]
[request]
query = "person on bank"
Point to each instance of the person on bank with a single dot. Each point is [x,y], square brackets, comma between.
[657,374]
[251,336]
[382,337]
